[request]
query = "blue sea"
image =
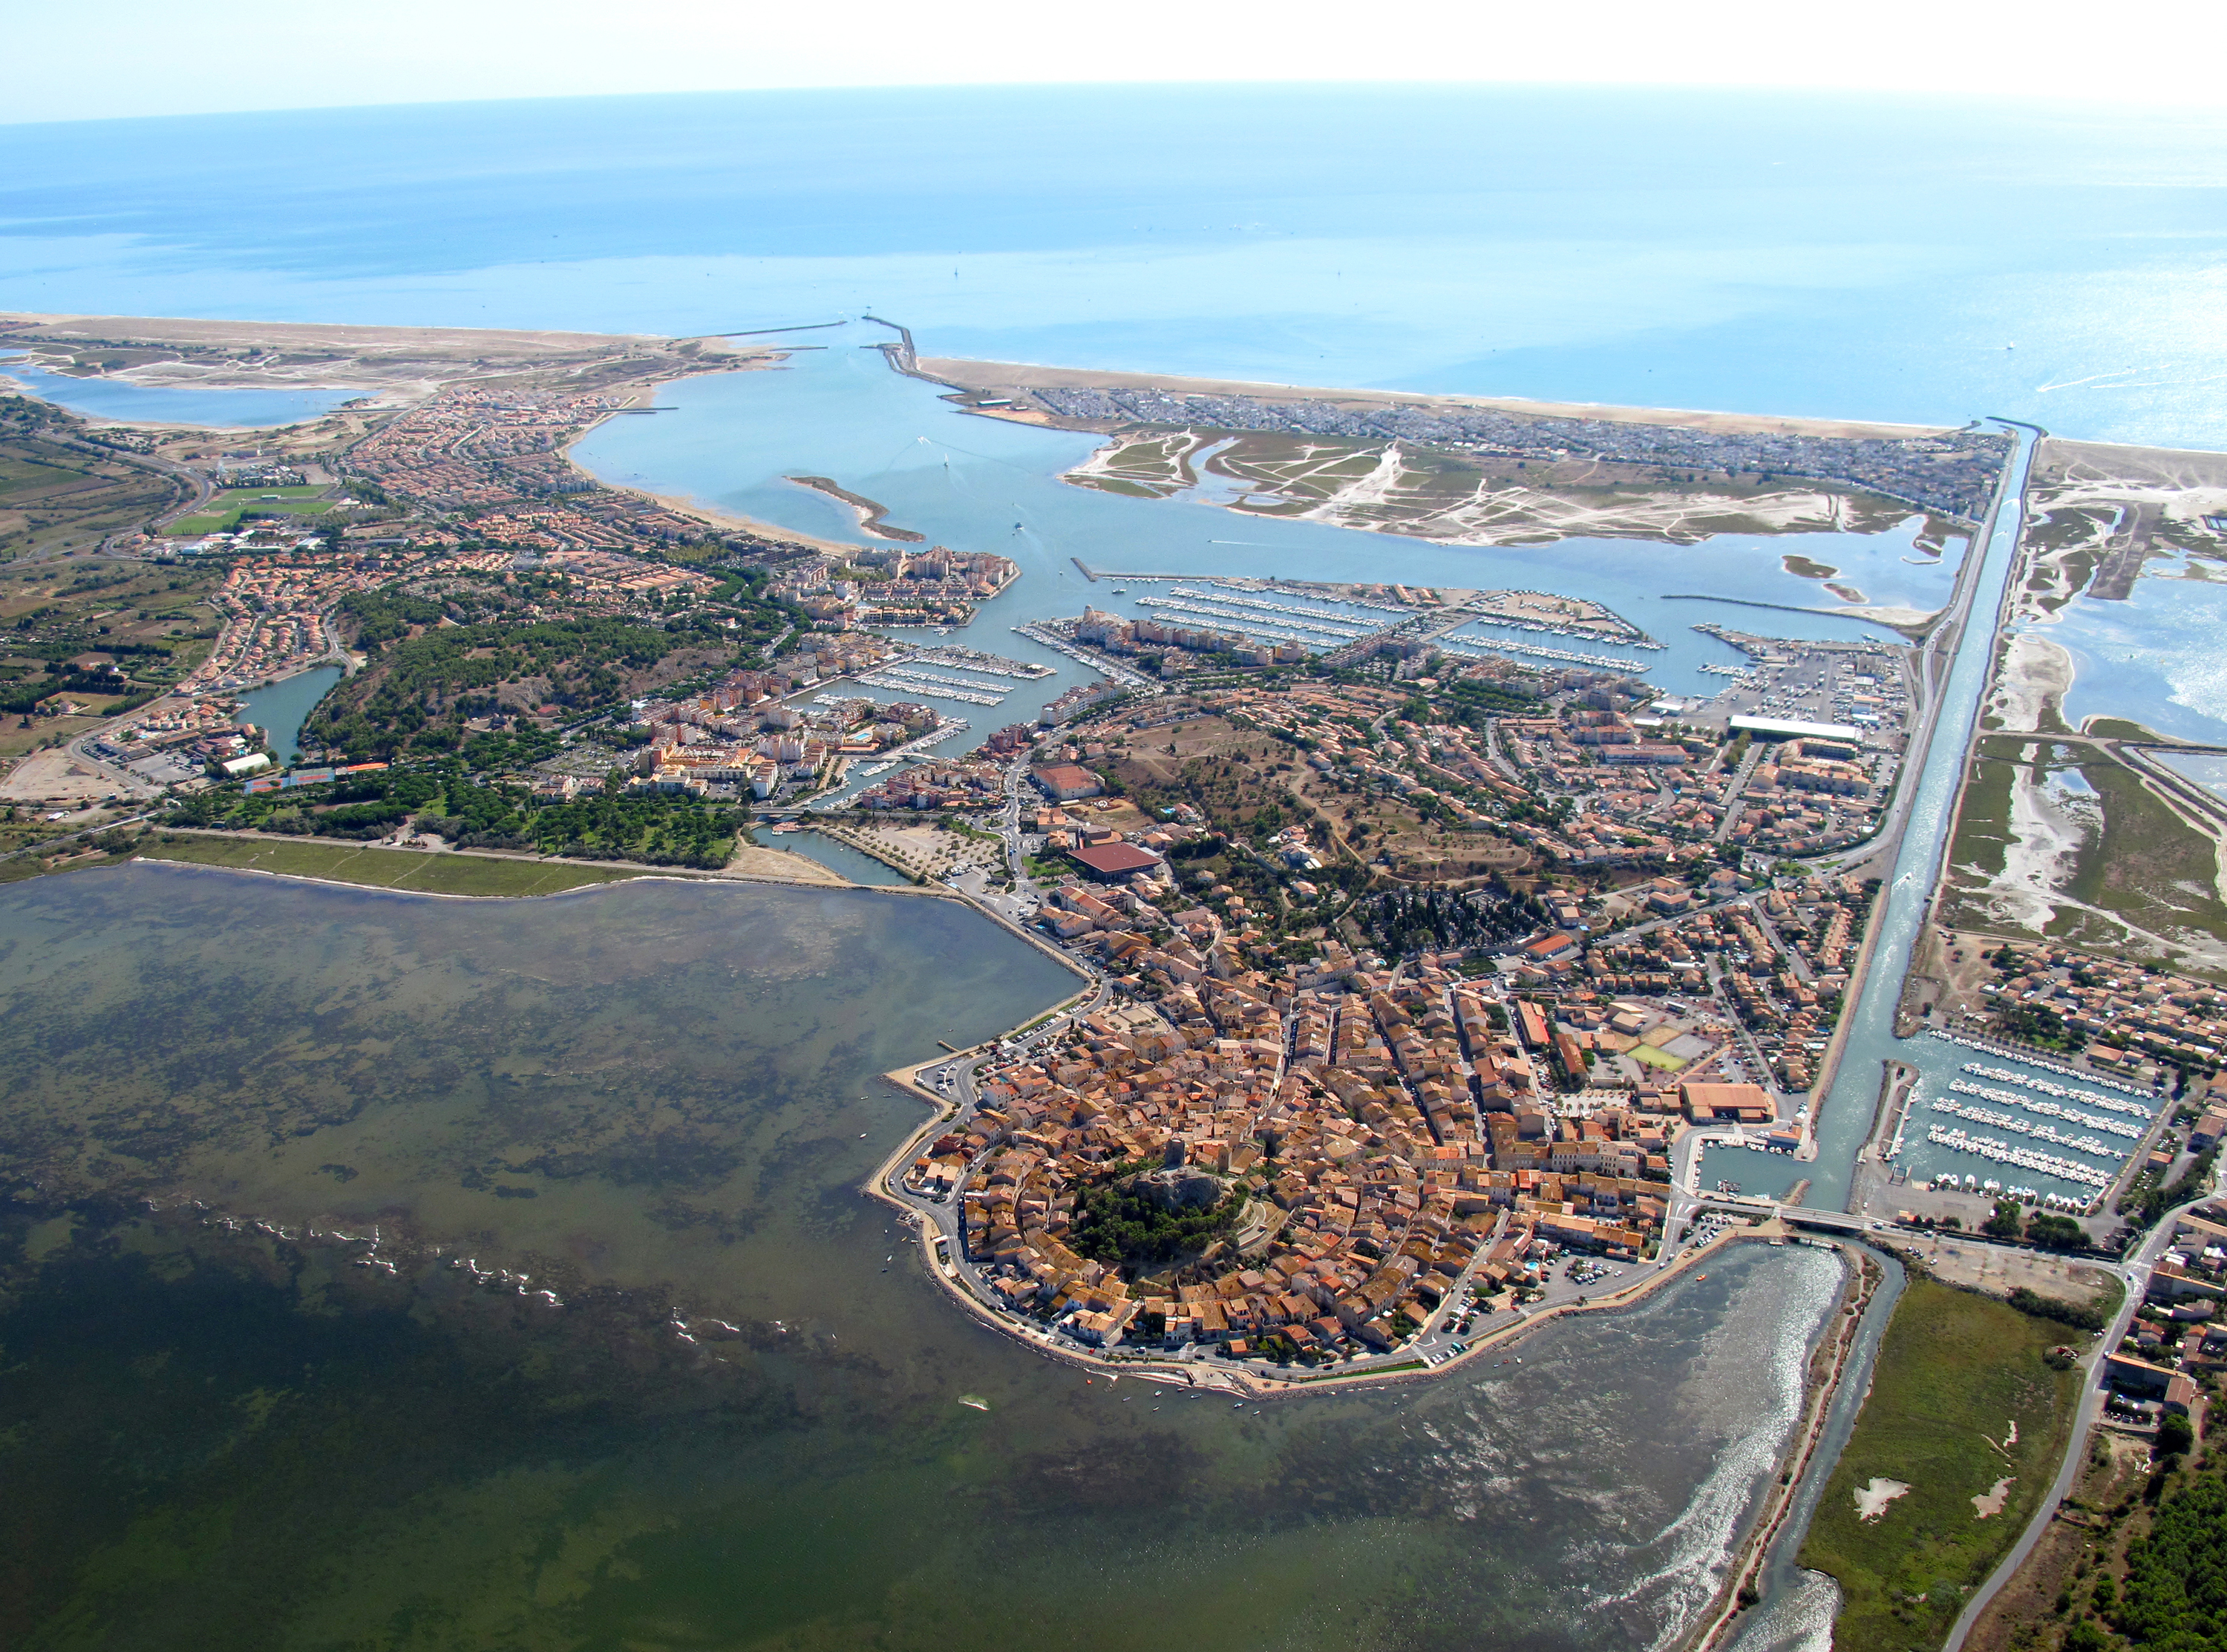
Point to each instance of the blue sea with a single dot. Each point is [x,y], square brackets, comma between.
[1883,259]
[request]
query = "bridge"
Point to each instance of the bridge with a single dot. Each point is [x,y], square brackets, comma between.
[1837,1221]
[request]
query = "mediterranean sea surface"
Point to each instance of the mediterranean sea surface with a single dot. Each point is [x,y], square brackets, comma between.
[1907,260]
[281,1151]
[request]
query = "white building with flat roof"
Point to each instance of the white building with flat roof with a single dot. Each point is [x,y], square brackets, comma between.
[1779,728]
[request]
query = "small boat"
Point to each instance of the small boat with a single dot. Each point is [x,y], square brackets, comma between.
[974,1400]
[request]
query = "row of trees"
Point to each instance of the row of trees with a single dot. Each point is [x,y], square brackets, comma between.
[656,829]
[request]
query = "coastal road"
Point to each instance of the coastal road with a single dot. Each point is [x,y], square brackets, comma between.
[2132,1273]
[47,845]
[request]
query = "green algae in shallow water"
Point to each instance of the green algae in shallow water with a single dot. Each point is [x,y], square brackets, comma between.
[217,1440]
[658,1064]
[230,1439]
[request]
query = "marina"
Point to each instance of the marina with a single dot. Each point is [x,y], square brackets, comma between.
[1471,645]
[2050,1109]
[903,676]
[2087,1144]
[973,660]
[1252,624]
[940,688]
[1242,599]
[2030,1059]
[1125,675]
[1513,611]
[2025,1158]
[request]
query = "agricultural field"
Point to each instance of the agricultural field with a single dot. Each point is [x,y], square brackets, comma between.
[1958,1441]
[95,634]
[58,494]
[422,871]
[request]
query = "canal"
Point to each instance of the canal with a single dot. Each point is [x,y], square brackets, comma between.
[1844,1119]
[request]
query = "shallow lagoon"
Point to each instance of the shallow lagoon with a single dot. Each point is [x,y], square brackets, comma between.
[253,1442]
[514,1074]
[119,398]
[2154,658]
[975,483]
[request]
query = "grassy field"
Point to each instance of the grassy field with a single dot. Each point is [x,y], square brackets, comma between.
[1956,1373]
[429,874]
[222,514]
[1983,814]
[2146,866]
[2151,868]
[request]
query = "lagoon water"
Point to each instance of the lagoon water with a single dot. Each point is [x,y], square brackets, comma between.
[284,706]
[837,858]
[834,408]
[121,399]
[2154,658]
[649,1097]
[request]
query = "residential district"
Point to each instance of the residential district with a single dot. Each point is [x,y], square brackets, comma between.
[1275,1140]
[1952,473]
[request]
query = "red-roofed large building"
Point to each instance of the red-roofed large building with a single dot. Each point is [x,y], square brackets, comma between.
[1111,861]
[1749,1103]
[1064,782]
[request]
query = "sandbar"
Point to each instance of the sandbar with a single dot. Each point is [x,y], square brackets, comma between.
[963,374]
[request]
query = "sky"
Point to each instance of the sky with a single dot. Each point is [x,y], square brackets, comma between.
[155,57]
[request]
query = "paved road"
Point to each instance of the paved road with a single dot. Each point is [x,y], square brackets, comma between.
[47,845]
[2132,1273]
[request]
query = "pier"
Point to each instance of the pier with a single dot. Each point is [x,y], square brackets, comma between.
[958,658]
[1134,680]
[935,688]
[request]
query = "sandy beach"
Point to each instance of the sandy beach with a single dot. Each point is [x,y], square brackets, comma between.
[32,327]
[394,365]
[1009,375]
